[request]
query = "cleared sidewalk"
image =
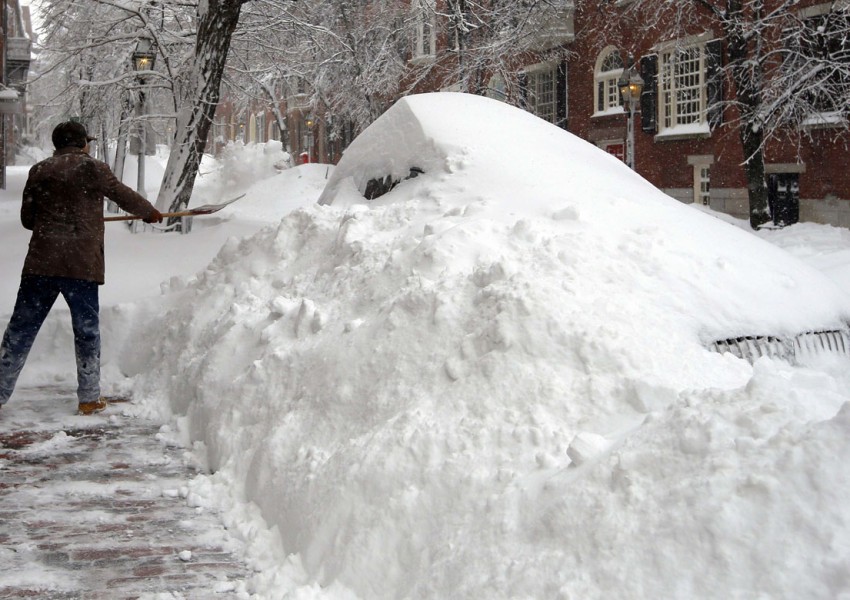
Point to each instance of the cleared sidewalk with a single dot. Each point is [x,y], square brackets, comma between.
[95,508]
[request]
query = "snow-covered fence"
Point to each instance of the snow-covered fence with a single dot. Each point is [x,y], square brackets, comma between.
[796,349]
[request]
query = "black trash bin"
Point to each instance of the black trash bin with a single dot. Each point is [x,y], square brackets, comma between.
[783,196]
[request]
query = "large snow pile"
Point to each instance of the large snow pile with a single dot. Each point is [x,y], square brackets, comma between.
[822,246]
[492,381]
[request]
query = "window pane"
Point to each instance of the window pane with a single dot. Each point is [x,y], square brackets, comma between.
[612,62]
[425,28]
[607,91]
[613,93]
[542,96]
[825,54]
[705,185]
[687,82]
[681,83]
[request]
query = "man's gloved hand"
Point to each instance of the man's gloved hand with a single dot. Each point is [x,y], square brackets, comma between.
[155,217]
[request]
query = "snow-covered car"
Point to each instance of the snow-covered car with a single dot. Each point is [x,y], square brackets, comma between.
[634,249]
[495,379]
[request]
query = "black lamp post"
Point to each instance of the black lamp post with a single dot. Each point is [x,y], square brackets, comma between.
[144,58]
[631,86]
[310,122]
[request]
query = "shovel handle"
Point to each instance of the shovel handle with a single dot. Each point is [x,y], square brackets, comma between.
[206,209]
[185,213]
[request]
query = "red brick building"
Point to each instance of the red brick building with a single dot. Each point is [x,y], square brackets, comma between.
[15,56]
[686,140]
[686,137]
[305,131]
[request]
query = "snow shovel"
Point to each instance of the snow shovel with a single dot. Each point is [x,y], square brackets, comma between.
[206,209]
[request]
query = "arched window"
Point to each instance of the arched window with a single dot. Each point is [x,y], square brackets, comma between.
[606,93]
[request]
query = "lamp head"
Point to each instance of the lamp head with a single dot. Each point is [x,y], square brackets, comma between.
[144,56]
[636,84]
[625,89]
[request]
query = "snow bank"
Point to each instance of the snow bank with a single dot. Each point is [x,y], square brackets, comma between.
[240,165]
[492,381]
[825,247]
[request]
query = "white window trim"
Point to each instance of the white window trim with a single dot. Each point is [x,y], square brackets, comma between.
[823,120]
[261,127]
[606,77]
[543,67]
[252,129]
[826,119]
[700,162]
[819,9]
[684,42]
[699,128]
[496,88]
[425,11]
[609,142]
[679,132]
[784,168]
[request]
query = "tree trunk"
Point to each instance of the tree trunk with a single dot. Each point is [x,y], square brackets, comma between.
[103,146]
[280,119]
[746,74]
[121,141]
[457,18]
[217,19]
[751,140]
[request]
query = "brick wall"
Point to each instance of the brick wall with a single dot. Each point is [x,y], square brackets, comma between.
[821,163]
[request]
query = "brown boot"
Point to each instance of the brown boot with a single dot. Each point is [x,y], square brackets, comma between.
[90,408]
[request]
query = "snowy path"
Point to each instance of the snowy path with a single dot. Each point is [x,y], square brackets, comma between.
[95,507]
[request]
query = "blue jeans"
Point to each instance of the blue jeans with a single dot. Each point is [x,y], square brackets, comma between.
[36,296]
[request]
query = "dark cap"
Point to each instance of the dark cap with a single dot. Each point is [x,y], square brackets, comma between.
[70,133]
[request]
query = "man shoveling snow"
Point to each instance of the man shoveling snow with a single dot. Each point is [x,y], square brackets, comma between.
[63,207]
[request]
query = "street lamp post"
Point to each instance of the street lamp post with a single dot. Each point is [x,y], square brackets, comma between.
[310,121]
[144,57]
[5,25]
[631,86]
[10,103]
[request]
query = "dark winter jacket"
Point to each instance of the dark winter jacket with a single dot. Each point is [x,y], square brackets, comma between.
[63,206]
